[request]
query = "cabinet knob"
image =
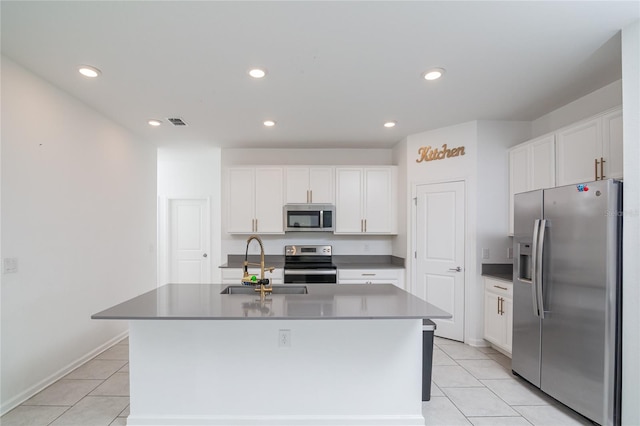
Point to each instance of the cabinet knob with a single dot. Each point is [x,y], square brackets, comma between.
[204,255]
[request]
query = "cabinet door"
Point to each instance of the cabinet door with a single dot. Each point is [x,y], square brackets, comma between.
[378,202]
[577,149]
[507,307]
[542,162]
[349,201]
[297,185]
[240,200]
[269,200]
[518,176]
[612,144]
[321,185]
[493,322]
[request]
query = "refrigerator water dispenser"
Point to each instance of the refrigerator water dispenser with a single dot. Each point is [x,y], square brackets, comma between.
[525,264]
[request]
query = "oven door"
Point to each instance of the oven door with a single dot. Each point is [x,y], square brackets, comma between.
[310,276]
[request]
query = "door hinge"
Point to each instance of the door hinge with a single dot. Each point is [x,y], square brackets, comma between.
[415,201]
[415,254]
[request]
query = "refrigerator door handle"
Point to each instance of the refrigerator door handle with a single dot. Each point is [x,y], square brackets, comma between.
[541,233]
[534,272]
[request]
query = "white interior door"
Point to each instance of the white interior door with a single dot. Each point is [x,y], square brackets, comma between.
[189,241]
[439,243]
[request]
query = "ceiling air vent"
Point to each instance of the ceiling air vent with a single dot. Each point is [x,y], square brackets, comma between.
[177,121]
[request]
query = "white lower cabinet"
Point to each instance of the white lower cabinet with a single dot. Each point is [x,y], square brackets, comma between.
[498,313]
[234,275]
[371,276]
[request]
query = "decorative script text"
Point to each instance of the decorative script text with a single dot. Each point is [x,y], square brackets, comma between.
[426,153]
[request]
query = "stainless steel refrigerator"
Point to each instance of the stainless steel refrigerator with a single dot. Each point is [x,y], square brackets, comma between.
[567,295]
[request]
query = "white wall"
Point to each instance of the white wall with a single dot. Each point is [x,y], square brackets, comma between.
[484,168]
[190,172]
[79,215]
[587,106]
[242,157]
[401,242]
[274,244]
[494,140]
[631,230]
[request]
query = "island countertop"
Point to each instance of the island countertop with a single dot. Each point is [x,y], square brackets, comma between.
[323,301]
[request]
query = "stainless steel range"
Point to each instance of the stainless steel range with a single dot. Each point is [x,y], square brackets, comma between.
[309,265]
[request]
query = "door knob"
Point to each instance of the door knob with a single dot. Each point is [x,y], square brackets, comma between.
[204,255]
[456,269]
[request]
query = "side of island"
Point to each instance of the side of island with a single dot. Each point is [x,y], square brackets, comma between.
[338,355]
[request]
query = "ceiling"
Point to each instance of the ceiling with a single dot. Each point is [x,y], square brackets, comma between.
[336,70]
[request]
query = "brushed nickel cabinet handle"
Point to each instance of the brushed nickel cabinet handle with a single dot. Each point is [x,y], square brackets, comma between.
[501,288]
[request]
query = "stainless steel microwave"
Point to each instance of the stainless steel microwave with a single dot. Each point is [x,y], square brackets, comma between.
[309,217]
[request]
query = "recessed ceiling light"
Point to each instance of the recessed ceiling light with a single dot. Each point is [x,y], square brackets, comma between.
[390,124]
[155,123]
[89,71]
[433,74]
[257,73]
[269,123]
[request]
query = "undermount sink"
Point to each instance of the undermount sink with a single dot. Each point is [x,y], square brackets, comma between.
[276,289]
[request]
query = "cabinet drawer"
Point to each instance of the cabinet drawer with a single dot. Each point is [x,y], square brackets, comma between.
[500,287]
[369,274]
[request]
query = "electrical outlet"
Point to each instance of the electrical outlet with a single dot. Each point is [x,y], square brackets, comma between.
[284,338]
[509,252]
[485,253]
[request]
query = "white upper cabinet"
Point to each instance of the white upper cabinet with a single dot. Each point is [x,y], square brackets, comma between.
[579,148]
[531,166]
[612,144]
[365,200]
[590,150]
[254,200]
[583,152]
[309,185]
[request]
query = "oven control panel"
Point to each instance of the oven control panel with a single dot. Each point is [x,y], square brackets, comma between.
[307,250]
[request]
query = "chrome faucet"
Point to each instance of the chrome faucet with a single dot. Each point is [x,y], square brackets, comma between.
[262,281]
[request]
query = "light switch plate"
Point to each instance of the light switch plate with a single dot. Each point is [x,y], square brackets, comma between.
[9,265]
[485,253]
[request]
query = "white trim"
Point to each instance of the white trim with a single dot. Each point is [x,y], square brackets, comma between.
[398,420]
[31,391]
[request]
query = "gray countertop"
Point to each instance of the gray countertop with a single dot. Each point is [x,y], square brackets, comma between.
[323,301]
[501,271]
[341,261]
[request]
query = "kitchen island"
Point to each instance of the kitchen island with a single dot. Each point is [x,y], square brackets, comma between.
[337,355]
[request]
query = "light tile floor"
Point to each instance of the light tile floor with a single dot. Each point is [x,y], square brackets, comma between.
[471,386]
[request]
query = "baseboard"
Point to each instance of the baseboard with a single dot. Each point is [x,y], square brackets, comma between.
[28,393]
[502,351]
[273,420]
[478,343]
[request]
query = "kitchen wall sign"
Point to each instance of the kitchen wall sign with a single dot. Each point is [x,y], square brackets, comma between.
[426,153]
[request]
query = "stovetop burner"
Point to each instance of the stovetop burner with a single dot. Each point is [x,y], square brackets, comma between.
[313,265]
